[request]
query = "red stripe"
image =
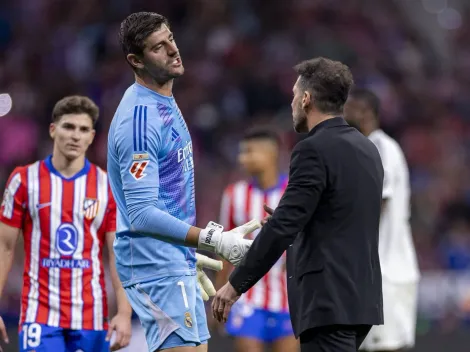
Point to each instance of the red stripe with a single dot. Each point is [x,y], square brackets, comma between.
[266,278]
[249,293]
[66,273]
[27,229]
[285,302]
[102,238]
[231,209]
[87,292]
[44,246]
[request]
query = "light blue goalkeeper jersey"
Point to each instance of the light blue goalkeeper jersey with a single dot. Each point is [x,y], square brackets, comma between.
[151,172]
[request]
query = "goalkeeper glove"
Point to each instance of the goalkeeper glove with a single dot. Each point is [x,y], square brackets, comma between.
[205,284]
[230,245]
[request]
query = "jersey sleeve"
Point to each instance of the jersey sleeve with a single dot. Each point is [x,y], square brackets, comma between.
[226,209]
[138,143]
[387,164]
[111,213]
[12,209]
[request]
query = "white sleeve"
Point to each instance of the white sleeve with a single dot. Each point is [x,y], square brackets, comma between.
[387,156]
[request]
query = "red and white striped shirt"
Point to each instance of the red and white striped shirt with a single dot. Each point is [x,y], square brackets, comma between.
[241,202]
[64,222]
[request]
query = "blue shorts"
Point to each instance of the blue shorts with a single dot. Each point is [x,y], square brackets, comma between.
[171,311]
[259,324]
[43,338]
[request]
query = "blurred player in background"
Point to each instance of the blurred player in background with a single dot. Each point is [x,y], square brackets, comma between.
[65,209]
[151,171]
[261,317]
[400,272]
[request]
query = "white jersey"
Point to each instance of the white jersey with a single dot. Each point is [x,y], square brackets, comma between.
[396,249]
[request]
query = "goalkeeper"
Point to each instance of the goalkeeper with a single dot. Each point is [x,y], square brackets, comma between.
[150,167]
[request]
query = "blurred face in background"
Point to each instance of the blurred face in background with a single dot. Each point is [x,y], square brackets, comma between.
[357,112]
[161,59]
[300,101]
[72,135]
[256,155]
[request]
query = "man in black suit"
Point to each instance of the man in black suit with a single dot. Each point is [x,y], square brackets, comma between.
[327,219]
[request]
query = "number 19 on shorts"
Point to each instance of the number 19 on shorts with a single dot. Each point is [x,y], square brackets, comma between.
[31,335]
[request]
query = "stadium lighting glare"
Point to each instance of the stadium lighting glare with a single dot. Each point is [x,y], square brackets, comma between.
[434,6]
[5,104]
[449,18]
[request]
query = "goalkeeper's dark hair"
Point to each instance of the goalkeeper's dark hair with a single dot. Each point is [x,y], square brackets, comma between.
[327,81]
[257,133]
[75,104]
[136,28]
[369,97]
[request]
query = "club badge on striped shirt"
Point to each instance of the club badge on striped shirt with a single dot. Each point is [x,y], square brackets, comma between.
[90,207]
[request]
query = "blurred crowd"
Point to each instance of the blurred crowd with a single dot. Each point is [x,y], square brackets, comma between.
[238,56]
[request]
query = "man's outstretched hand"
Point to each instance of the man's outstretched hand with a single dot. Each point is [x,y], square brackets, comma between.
[223,302]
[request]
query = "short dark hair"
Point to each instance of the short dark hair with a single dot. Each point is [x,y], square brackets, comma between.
[136,28]
[261,133]
[75,104]
[328,81]
[369,97]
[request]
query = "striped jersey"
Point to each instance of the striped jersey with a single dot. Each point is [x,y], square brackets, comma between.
[241,202]
[64,221]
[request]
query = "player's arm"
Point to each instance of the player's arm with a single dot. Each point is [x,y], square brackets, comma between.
[11,221]
[387,189]
[385,157]
[307,180]
[121,323]
[139,142]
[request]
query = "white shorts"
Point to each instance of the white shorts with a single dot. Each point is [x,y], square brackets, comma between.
[399,329]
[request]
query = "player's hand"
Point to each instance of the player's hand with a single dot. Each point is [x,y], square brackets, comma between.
[223,302]
[230,245]
[3,333]
[268,210]
[205,284]
[121,323]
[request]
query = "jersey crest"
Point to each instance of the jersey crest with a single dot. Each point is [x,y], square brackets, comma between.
[90,207]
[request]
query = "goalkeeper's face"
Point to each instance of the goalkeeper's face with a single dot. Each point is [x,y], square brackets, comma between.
[72,135]
[161,59]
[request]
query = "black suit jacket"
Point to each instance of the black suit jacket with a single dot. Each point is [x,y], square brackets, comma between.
[328,220]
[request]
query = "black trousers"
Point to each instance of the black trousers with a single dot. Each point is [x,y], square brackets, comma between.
[334,338]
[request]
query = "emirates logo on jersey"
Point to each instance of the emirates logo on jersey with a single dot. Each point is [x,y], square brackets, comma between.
[90,208]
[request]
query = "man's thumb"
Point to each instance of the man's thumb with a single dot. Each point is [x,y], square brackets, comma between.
[110,332]
[268,210]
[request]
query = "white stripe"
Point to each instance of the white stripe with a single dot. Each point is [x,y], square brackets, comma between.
[256,212]
[240,191]
[276,272]
[9,199]
[77,274]
[33,197]
[96,265]
[54,273]
[224,217]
